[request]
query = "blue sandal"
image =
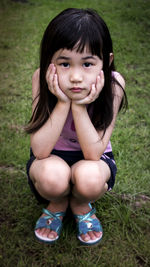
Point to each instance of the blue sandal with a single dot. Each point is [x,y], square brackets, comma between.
[86,224]
[51,221]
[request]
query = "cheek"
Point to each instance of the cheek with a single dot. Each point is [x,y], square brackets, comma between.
[92,78]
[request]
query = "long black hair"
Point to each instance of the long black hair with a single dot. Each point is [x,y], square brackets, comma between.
[77,28]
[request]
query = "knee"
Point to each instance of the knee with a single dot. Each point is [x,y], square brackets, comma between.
[54,179]
[89,182]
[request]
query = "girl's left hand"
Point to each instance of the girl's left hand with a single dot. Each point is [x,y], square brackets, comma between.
[95,91]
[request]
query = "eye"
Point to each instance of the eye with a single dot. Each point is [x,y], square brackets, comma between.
[87,64]
[65,64]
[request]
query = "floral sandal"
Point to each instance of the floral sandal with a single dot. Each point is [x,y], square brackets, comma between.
[51,221]
[86,224]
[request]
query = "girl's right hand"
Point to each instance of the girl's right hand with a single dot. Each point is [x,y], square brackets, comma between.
[53,86]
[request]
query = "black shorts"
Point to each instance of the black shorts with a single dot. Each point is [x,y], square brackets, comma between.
[71,157]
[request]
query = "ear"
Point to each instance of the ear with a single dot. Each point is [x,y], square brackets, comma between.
[111,58]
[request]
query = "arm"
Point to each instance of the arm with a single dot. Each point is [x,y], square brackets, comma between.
[44,140]
[91,141]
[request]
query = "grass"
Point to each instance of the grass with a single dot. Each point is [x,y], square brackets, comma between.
[125,213]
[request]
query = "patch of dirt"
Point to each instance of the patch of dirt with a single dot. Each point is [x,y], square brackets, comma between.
[10,169]
[136,201]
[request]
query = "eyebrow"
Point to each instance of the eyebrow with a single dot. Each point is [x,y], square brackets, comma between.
[63,57]
[88,57]
[68,58]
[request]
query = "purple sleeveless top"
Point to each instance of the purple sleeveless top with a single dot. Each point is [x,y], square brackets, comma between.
[68,140]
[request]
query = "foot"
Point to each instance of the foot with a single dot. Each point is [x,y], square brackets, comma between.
[90,236]
[47,233]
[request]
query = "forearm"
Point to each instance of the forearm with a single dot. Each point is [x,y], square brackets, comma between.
[90,141]
[44,140]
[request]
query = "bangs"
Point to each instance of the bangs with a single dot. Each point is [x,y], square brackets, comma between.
[85,37]
[77,32]
[77,29]
[93,47]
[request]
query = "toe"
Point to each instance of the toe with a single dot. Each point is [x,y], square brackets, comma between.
[38,231]
[98,234]
[41,231]
[52,235]
[85,237]
[92,235]
[45,232]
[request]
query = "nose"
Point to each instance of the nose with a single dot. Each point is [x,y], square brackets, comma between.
[76,76]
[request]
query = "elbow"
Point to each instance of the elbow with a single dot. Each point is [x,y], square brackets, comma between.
[40,157]
[92,155]
[39,151]
[40,154]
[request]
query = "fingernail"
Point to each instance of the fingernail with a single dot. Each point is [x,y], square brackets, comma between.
[51,66]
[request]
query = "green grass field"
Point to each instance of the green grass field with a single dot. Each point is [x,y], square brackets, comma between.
[124,213]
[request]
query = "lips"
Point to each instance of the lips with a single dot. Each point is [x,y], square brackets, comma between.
[76,89]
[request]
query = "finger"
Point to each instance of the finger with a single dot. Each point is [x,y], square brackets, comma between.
[93,91]
[50,77]
[55,83]
[100,81]
[57,91]
[48,72]
[52,72]
[92,95]
[88,99]
[101,76]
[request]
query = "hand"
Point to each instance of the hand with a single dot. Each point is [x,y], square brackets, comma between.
[53,86]
[95,91]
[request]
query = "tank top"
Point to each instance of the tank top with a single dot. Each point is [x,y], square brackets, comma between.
[68,140]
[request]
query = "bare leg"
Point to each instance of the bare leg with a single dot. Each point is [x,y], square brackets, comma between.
[51,177]
[90,183]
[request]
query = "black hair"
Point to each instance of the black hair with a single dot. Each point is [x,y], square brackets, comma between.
[76,28]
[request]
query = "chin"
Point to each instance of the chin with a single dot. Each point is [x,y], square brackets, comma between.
[77,98]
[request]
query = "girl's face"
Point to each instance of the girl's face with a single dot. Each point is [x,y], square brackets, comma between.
[76,72]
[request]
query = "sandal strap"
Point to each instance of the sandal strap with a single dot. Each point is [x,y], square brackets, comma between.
[45,222]
[86,217]
[54,215]
[86,224]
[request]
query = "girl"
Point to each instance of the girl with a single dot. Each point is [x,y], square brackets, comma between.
[76,97]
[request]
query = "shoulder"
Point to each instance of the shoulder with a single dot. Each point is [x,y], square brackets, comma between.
[118,88]
[119,85]
[36,75]
[119,78]
[35,83]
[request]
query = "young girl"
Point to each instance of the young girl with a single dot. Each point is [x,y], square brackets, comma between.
[76,97]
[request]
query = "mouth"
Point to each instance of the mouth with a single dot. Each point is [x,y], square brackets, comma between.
[76,89]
